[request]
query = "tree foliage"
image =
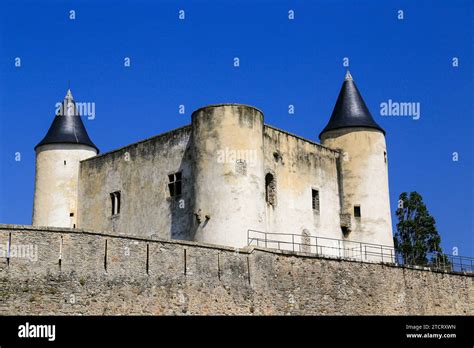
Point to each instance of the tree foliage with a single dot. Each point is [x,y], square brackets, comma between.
[417,238]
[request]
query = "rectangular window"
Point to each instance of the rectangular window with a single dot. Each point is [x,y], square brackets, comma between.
[174,184]
[357,211]
[115,198]
[315,200]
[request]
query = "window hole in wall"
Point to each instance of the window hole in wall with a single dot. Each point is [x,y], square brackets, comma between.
[315,200]
[357,212]
[270,189]
[115,199]
[175,184]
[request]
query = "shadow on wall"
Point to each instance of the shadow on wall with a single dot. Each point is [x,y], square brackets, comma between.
[181,205]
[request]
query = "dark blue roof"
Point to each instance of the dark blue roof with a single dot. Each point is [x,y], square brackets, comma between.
[67,128]
[350,109]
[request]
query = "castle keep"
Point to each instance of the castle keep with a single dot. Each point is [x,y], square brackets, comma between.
[227,215]
[219,177]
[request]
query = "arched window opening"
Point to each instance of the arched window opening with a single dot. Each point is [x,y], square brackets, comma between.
[115,198]
[270,189]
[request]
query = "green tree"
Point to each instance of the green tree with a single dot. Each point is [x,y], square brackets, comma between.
[417,238]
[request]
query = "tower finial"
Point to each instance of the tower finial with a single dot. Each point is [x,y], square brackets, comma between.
[69,96]
[69,105]
[348,75]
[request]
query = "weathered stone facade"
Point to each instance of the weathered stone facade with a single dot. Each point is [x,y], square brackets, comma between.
[223,157]
[221,176]
[81,272]
[140,172]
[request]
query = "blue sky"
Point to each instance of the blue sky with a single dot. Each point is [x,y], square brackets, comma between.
[300,62]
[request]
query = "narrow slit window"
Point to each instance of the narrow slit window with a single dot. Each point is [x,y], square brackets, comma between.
[315,200]
[175,184]
[270,189]
[357,211]
[115,198]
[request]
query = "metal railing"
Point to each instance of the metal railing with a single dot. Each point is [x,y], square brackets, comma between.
[358,251]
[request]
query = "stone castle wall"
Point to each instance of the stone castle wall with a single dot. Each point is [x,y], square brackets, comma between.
[300,166]
[140,172]
[224,157]
[80,272]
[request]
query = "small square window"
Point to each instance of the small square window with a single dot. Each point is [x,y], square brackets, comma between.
[357,211]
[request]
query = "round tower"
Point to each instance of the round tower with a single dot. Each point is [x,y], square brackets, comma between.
[57,167]
[229,183]
[363,168]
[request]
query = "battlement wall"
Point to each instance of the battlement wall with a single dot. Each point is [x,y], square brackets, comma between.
[70,271]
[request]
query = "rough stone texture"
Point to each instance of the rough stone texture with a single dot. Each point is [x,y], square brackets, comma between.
[233,200]
[224,156]
[299,166]
[364,178]
[56,181]
[140,172]
[191,278]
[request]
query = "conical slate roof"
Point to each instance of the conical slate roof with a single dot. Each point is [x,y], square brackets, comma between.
[67,127]
[350,109]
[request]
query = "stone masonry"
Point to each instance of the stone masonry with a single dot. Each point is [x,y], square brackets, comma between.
[88,273]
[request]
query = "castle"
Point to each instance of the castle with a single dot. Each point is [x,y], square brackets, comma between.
[224,216]
[221,178]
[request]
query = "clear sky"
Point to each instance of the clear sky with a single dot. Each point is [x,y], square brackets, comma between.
[190,62]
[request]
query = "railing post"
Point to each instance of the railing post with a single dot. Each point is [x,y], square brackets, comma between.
[265,239]
[316,242]
[381,250]
[339,247]
[293,241]
[360,244]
